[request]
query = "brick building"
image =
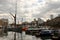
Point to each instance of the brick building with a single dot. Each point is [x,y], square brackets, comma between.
[3,26]
[54,23]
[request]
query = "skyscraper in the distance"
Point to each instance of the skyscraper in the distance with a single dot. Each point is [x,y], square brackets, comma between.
[51,16]
[58,15]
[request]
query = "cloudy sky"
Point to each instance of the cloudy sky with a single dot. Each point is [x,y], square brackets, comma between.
[29,9]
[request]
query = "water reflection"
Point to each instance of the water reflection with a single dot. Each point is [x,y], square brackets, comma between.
[30,37]
[25,37]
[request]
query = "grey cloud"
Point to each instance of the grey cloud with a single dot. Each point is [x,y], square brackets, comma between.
[3,1]
[6,5]
[51,6]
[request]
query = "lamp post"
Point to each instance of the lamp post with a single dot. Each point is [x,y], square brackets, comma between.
[15,27]
[15,18]
[14,24]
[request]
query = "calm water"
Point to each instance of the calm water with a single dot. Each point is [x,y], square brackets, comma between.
[18,37]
